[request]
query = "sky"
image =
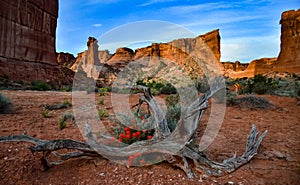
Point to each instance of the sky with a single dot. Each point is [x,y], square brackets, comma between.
[249,29]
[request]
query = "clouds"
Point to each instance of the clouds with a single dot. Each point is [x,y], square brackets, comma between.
[97,25]
[154,2]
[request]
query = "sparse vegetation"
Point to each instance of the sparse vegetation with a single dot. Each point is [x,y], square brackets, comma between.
[103,113]
[39,85]
[46,113]
[6,105]
[253,102]
[102,91]
[63,119]
[67,103]
[101,101]
[158,87]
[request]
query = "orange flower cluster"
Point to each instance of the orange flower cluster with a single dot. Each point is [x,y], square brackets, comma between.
[129,135]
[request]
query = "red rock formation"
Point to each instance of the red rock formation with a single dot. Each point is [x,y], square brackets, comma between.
[259,66]
[27,40]
[65,59]
[212,39]
[122,56]
[289,56]
[235,66]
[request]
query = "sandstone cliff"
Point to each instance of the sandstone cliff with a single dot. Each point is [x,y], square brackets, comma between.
[65,59]
[27,40]
[177,51]
[289,56]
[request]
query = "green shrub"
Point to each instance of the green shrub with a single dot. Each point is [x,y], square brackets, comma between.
[260,84]
[102,113]
[231,99]
[101,101]
[168,89]
[172,100]
[62,120]
[67,103]
[6,105]
[102,91]
[173,115]
[39,85]
[46,113]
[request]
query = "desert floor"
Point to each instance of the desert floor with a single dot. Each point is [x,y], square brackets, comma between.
[277,161]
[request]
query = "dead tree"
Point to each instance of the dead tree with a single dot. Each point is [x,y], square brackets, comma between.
[188,158]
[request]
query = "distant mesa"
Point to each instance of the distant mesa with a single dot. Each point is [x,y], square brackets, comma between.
[176,51]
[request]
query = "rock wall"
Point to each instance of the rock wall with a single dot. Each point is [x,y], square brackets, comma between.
[65,59]
[289,56]
[27,41]
[28,29]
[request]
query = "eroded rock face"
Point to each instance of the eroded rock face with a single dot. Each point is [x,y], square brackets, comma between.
[27,40]
[28,29]
[289,56]
[65,59]
[259,66]
[122,56]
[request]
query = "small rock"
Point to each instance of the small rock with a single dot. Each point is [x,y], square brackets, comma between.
[278,155]
[200,180]
[102,174]
[230,183]
[204,176]
[5,158]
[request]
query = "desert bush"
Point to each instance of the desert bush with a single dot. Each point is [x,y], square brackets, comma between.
[102,113]
[62,120]
[92,89]
[101,101]
[6,105]
[231,98]
[172,99]
[173,115]
[168,89]
[254,102]
[46,113]
[102,91]
[67,103]
[260,84]
[39,85]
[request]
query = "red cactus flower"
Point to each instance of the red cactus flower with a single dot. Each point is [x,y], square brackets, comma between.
[122,135]
[138,133]
[142,161]
[126,129]
[134,135]
[120,140]
[149,137]
[142,117]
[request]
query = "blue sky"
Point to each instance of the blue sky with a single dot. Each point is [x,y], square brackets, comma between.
[249,29]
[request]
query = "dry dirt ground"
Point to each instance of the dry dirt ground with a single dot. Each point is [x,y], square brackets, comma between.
[277,161]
